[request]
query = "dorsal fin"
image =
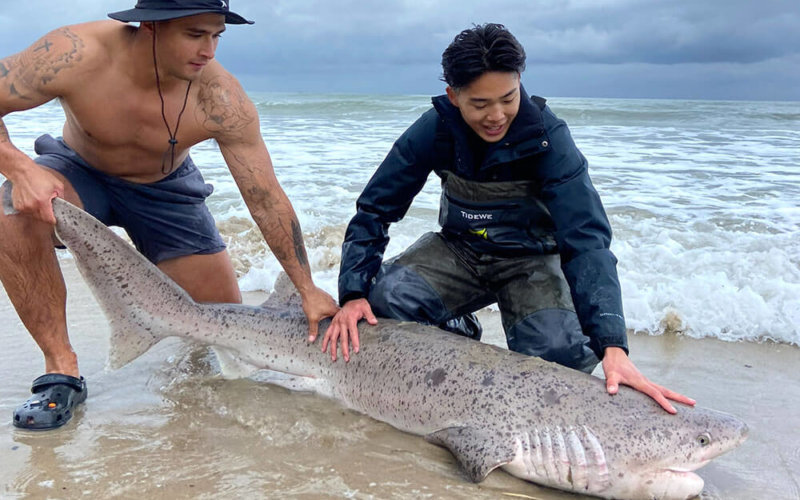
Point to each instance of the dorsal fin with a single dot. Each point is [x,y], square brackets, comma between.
[284,294]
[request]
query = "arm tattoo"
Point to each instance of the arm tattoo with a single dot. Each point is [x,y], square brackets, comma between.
[222,109]
[299,248]
[4,133]
[48,65]
[45,45]
[271,216]
[11,77]
[40,64]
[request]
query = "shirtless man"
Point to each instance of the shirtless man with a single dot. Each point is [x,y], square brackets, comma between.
[135,99]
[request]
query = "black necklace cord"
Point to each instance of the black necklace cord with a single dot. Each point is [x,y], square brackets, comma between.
[172,135]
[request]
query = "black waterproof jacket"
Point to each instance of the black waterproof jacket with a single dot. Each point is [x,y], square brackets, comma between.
[537,147]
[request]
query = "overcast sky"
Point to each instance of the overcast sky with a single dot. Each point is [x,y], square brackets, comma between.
[695,49]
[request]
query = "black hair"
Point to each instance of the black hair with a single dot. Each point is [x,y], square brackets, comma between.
[478,50]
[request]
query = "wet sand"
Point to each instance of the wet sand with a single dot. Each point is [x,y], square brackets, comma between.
[167,426]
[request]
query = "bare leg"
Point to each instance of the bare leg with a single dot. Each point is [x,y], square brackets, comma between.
[32,279]
[207,278]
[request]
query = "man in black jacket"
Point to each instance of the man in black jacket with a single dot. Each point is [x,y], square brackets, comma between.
[522,225]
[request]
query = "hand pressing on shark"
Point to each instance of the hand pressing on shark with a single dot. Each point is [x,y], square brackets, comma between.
[344,326]
[619,369]
[317,305]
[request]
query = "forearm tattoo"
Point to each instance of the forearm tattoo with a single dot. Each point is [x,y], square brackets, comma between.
[4,133]
[271,214]
[299,247]
[39,65]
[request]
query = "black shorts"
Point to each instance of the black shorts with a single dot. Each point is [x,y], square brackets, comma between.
[164,219]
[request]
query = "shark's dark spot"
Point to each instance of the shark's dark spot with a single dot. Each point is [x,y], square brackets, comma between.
[435,377]
[551,397]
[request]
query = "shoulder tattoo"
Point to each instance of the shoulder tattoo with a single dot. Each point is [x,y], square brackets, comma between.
[223,108]
[39,65]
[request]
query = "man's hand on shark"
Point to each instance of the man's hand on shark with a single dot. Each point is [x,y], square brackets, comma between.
[344,326]
[619,369]
[318,305]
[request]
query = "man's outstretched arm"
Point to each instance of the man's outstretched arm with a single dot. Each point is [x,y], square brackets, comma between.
[228,112]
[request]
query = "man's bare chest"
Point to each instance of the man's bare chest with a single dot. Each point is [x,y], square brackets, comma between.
[113,116]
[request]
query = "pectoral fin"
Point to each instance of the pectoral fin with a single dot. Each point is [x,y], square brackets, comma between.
[231,365]
[478,451]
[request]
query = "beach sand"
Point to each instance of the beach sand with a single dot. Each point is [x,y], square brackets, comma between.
[166,426]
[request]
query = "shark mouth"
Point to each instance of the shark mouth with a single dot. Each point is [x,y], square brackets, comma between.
[677,482]
[687,469]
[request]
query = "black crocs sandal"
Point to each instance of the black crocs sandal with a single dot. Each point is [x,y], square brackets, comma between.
[55,396]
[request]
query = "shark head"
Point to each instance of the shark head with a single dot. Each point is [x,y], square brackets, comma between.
[643,453]
[665,452]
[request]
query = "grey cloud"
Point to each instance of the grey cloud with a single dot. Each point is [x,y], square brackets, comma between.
[662,32]
[728,47]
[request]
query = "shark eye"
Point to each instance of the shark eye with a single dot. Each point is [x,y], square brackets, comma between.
[704,440]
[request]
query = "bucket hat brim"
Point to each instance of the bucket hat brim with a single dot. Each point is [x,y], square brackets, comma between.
[135,14]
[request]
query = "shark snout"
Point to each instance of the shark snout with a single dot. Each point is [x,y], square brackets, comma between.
[733,433]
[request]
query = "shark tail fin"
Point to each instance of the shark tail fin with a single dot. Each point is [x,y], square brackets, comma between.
[127,342]
[141,303]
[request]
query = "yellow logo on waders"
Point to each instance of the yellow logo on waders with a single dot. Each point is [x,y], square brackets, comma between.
[480,232]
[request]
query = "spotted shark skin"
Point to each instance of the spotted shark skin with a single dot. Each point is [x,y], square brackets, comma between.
[492,408]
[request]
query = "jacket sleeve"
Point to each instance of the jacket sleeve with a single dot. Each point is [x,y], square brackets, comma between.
[583,235]
[385,200]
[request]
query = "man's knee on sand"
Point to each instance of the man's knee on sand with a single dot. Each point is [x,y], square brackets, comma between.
[400,293]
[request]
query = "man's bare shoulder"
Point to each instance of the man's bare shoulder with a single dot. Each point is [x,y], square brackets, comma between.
[100,41]
[223,106]
[105,33]
[62,59]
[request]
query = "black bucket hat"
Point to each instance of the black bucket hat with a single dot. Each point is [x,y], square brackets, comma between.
[164,10]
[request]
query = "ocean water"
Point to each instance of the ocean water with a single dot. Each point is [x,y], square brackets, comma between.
[703,198]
